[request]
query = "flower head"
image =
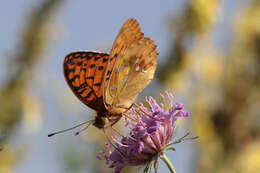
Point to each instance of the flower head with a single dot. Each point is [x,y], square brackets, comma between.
[150,134]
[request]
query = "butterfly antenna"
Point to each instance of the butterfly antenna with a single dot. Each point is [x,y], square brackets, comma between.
[184,138]
[78,132]
[65,130]
[131,118]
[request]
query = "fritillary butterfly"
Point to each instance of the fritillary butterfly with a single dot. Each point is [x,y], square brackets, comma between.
[109,83]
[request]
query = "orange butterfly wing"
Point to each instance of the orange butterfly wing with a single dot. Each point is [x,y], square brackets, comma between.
[84,73]
[129,32]
[134,62]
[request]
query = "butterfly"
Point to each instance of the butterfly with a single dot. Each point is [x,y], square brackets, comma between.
[109,83]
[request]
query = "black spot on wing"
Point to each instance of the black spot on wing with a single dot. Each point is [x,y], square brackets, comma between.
[90,77]
[74,77]
[100,68]
[79,63]
[92,65]
[105,60]
[89,94]
[97,84]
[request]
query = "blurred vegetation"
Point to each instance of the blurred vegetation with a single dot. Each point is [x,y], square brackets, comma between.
[223,86]
[31,46]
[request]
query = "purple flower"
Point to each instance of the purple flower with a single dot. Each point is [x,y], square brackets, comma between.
[151,132]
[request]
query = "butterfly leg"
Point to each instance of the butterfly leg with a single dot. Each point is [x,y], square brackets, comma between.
[135,120]
[120,134]
[115,122]
[130,106]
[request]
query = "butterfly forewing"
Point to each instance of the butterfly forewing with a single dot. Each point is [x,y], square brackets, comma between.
[84,72]
[133,69]
[129,32]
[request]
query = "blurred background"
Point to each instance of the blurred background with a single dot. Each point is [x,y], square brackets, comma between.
[209,57]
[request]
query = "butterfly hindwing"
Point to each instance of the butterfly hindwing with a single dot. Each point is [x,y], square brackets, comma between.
[84,73]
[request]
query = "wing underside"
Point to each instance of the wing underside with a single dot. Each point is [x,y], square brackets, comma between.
[133,67]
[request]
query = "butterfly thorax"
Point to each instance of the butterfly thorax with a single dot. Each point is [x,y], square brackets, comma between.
[106,119]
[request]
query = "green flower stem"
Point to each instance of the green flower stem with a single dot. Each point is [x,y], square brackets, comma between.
[168,163]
